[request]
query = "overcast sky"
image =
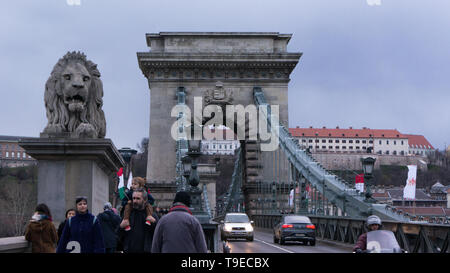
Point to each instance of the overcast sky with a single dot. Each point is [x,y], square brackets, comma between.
[379,66]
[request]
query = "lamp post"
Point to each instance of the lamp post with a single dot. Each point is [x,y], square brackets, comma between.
[274,191]
[126,154]
[368,164]
[190,171]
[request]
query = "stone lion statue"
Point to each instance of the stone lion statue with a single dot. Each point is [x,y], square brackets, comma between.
[74,98]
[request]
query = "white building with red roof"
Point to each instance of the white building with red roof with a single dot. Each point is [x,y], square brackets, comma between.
[365,140]
[419,145]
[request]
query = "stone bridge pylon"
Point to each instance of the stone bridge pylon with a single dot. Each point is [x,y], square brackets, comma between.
[221,68]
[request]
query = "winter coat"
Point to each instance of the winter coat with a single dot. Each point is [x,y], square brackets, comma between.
[179,232]
[42,235]
[82,229]
[61,228]
[361,243]
[139,239]
[109,222]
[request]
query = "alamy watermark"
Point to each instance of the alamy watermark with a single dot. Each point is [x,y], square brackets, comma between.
[259,128]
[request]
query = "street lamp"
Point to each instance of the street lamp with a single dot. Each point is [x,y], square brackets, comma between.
[368,164]
[126,154]
[274,190]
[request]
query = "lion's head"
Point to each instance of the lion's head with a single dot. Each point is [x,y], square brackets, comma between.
[73,98]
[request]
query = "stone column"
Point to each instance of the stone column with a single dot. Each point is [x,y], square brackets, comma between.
[73,167]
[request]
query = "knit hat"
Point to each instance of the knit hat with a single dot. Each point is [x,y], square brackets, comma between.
[107,206]
[182,197]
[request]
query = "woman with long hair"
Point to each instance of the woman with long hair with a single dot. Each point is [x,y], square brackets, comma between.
[41,232]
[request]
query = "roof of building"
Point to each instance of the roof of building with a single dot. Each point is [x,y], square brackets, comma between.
[437,185]
[426,211]
[381,195]
[346,133]
[439,188]
[10,138]
[397,194]
[418,142]
[14,138]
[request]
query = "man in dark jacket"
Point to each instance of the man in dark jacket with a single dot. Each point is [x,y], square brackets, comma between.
[109,221]
[179,231]
[139,238]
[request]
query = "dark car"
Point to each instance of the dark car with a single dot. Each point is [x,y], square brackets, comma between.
[294,228]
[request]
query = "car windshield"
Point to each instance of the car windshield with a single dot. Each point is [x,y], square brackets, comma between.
[297,220]
[237,218]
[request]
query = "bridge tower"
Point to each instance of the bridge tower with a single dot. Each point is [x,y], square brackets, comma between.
[222,67]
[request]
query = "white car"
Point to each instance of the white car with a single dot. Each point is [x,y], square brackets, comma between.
[236,225]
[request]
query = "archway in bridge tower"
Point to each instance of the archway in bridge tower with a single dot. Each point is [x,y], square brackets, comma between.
[211,66]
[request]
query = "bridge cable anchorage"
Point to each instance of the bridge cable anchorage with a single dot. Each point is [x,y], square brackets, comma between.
[328,185]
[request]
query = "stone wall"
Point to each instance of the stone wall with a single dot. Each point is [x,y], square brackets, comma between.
[334,161]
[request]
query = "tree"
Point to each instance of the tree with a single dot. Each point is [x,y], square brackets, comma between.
[139,160]
[17,202]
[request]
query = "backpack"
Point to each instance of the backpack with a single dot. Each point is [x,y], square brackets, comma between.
[93,222]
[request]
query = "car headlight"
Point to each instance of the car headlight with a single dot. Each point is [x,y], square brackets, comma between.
[227,228]
[249,228]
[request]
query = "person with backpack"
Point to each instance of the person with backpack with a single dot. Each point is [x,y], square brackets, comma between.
[82,232]
[109,221]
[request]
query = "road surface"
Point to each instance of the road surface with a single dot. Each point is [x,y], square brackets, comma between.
[263,243]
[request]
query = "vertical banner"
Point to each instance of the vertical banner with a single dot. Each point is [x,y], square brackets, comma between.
[291,198]
[359,182]
[130,180]
[409,192]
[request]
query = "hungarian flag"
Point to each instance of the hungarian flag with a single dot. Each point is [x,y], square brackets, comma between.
[120,175]
[359,182]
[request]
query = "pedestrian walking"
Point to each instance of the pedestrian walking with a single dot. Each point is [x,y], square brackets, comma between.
[82,232]
[109,222]
[126,196]
[139,238]
[41,232]
[69,213]
[179,231]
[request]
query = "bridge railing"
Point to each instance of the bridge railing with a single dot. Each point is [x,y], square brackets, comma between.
[14,245]
[339,192]
[232,201]
[413,237]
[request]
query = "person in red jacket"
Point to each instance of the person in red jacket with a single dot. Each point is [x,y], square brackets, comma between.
[373,223]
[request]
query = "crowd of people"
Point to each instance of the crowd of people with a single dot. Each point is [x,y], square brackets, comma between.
[141,229]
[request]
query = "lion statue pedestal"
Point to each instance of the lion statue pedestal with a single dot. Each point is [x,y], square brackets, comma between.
[74,158]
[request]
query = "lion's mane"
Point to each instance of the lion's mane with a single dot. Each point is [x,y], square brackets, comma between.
[58,114]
